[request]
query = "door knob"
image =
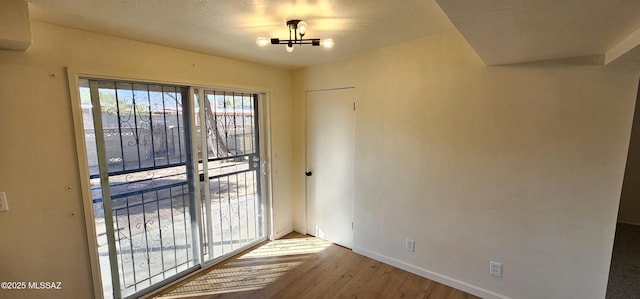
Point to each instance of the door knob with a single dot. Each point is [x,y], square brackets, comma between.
[308,173]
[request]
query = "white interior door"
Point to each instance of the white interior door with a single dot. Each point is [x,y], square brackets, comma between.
[330,162]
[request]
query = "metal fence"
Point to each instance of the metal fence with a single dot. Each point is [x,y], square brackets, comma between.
[153,234]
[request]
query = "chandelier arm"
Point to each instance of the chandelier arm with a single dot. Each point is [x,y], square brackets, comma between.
[297,37]
[305,41]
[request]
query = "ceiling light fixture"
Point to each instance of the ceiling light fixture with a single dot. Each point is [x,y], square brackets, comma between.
[297,30]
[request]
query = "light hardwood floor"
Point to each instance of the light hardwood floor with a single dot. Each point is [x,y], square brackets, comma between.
[300,266]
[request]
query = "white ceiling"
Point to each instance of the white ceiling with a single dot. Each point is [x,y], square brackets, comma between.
[516,31]
[229,28]
[501,31]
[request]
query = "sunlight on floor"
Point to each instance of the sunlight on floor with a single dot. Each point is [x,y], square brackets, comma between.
[285,247]
[253,270]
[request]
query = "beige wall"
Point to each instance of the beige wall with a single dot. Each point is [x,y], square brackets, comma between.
[630,200]
[522,165]
[40,240]
[15,33]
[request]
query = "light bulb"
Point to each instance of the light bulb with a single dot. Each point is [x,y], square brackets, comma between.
[262,41]
[302,28]
[327,43]
[289,48]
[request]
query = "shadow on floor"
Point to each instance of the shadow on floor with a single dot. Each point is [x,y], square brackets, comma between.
[252,270]
[624,275]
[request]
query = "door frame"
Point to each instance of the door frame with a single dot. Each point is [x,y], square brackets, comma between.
[73,76]
[306,147]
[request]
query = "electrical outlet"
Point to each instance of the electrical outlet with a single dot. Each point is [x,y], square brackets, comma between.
[3,202]
[409,245]
[495,269]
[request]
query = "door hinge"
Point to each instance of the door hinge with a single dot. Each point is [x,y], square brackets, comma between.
[354,106]
[351,225]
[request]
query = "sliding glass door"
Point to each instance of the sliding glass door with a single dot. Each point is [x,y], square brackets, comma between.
[232,209]
[175,176]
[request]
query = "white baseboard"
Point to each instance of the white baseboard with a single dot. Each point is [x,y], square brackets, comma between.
[283,232]
[443,279]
